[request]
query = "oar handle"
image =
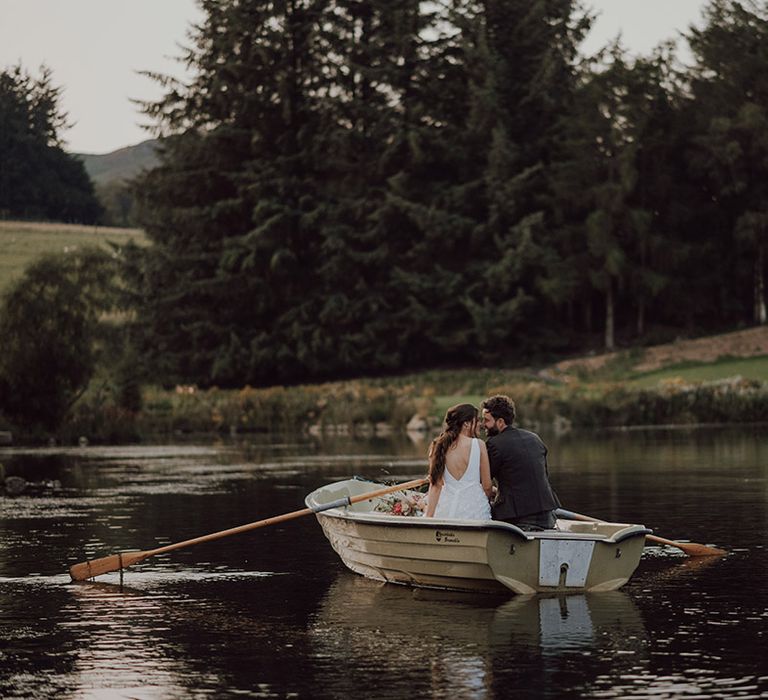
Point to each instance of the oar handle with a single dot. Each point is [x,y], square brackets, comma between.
[570,515]
[115,562]
[338,503]
[231,531]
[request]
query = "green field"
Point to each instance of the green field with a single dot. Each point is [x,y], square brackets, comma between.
[748,368]
[23,242]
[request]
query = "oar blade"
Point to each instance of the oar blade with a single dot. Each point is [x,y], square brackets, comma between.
[104,565]
[693,549]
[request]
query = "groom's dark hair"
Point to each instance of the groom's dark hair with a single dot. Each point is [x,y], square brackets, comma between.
[500,406]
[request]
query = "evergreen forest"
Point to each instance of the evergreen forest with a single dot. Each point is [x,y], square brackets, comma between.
[364,187]
[352,187]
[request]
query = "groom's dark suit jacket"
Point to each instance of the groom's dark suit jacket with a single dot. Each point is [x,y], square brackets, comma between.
[518,461]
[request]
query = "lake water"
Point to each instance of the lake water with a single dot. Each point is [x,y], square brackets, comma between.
[274,613]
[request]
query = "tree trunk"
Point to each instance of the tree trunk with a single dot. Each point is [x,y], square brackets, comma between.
[641,319]
[760,310]
[609,335]
[588,316]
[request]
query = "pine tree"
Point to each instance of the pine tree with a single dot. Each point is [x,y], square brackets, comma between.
[372,45]
[524,77]
[609,182]
[38,180]
[232,208]
[730,93]
[424,216]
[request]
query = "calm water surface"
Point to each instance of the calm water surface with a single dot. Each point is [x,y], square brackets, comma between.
[274,613]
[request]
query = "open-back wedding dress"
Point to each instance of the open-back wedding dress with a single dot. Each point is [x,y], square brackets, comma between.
[464,498]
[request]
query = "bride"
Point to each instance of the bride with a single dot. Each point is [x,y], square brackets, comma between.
[459,473]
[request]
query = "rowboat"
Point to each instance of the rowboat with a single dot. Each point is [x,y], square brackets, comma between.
[473,555]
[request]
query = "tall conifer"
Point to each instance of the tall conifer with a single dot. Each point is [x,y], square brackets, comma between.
[232,207]
[526,53]
[730,104]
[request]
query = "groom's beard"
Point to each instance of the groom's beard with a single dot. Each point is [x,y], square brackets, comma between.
[490,432]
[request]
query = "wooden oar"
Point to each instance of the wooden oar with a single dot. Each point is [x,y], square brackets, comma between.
[690,548]
[115,562]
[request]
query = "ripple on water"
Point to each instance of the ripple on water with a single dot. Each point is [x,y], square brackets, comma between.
[24,508]
[137,578]
[178,627]
[121,452]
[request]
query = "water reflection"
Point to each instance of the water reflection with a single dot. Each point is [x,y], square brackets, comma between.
[124,646]
[35,652]
[569,623]
[274,613]
[163,636]
[469,643]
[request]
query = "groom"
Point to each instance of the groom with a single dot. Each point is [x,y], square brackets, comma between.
[518,460]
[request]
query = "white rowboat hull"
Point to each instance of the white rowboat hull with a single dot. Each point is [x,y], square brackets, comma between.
[479,556]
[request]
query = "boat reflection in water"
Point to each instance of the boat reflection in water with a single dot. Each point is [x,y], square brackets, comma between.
[561,623]
[475,645]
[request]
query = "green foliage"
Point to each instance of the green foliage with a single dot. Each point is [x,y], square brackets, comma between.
[613,148]
[358,406]
[618,405]
[48,322]
[98,416]
[362,406]
[127,382]
[321,217]
[528,78]
[366,188]
[730,90]
[232,209]
[354,405]
[118,202]
[38,179]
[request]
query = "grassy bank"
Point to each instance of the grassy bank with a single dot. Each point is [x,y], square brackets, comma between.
[755,368]
[378,406]
[22,242]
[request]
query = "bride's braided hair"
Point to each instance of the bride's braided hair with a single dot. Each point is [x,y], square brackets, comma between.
[455,417]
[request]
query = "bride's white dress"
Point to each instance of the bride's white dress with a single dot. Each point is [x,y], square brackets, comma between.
[464,498]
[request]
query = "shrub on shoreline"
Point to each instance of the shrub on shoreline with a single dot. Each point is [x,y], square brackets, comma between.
[673,402]
[356,404]
[363,407]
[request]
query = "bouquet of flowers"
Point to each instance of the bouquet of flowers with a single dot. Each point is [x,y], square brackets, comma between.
[402,503]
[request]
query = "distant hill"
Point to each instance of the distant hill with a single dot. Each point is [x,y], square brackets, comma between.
[121,164]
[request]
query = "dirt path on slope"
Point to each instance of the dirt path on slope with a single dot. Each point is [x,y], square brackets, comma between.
[748,343]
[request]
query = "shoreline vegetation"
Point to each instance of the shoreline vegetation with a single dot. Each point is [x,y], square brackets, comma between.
[712,379]
[490,196]
[417,402]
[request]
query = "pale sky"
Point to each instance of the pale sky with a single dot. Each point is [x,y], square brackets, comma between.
[96,47]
